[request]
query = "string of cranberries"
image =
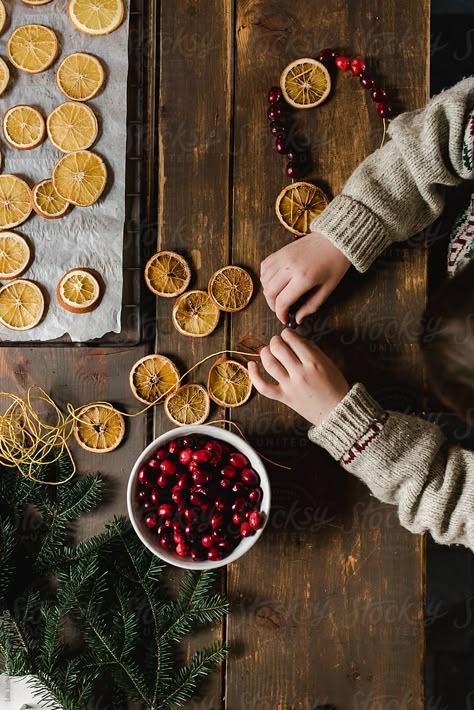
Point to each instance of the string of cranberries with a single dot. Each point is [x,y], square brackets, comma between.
[279,111]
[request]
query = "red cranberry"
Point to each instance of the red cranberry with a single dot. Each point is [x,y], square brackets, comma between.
[156,497]
[238,460]
[179,537]
[206,509]
[182,549]
[142,494]
[202,455]
[185,456]
[367,81]
[163,480]
[277,130]
[274,112]
[174,447]
[229,472]
[293,170]
[218,535]
[342,63]
[189,530]
[217,520]
[246,530]
[384,109]
[239,489]
[191,515]
[237,519]
[220,503]
[179,495]
[250,477]
[255,495]
[161,530]
[181,509]
[280,146]
[214,554]
[255,520]
[166,542]
[326,55]
[225,483]
[168,523]
[226,546]
[197,499]
[198,555]
[358,67]
[177,526]
[209,490]
[379,94]
[150,520]
[274,94]
[238,505]
[154,464]
[183,480]
[168,466]
[206,541]
[161,454]
[166,510]
[202,477]
[142,476]
[147,505]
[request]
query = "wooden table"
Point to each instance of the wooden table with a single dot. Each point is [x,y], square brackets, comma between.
[327,608]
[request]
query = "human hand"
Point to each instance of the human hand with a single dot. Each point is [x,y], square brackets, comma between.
[309,262]
[308,381]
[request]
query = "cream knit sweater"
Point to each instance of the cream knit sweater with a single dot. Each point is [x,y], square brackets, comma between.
[395,193]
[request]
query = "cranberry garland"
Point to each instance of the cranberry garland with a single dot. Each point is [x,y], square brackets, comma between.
[299,163]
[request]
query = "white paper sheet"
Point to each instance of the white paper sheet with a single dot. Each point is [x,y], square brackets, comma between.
[91,236]
[16,695]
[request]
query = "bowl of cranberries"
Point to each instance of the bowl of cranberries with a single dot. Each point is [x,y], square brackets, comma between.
[199,497]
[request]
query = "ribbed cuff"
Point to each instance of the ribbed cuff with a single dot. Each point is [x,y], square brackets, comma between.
[347,422]
[353,229]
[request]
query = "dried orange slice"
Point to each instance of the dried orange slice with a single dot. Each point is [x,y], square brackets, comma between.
[21,305]
[15,203]
[80,76]
[15,255]
[23,127]
[188,405]
[46,202]
[152,377]
[3,16]
[79,291]
[298,204]
[96,17]
[99,428]
[195,314]
[72,126]
[231,288]
[4,75]
[305,83]
[167,274]
[32,48]
[229,383]
[80,178]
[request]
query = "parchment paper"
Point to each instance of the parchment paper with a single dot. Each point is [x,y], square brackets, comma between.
[87,236]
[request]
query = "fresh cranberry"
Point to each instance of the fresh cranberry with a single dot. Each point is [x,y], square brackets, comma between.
[274,112]
[168,523]
[358,67]
[191,515]
[198,555]
[180,510]
[166,510]
[182,549]
[379,94]
[201,477]
[280,146]
[177,526]
[189,441]
[367,81]
[238,505]
[326,56]
[197,499]
[168,466]
[226,546]
[225,483]
[185,456]
[217,520]
[142,494]
[216,450]
[255,520]
[342,63]
[218,535]
[202,455]
[143,476]
[237,519]
[293,170]
[214,554]
[156,497]
[174,447]
[238,488]
[161,454]
[229,472]
[154,464]
[246,530]
[150,520]
[166,542]
[274,95]
[183,480]
[179,495]
[384,109]
[189,530]
[277,130]
[206,541]
[179,537]
[250,477]
[255,495]
[147,505]
[193,467]
[238,460]
[162,480]
[220,503]
[162,530]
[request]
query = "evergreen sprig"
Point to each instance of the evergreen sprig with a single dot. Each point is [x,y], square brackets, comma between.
[107,592]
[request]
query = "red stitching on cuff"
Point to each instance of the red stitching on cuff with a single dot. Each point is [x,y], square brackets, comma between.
[360,446]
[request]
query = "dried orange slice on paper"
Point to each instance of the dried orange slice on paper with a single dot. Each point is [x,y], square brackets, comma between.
[23,127]
[72,126]
[153,377]
[305,83]
[4,75]
[298,204]
[96,17]
[188,405]
[79,291]
[21,305]
[46,202]
[229,383]
[80,178]
[195,314]
[99,428]
[80,76]
[231,288]
[15,255]
[15,202]
[167,274]
[32,48]
[3,16]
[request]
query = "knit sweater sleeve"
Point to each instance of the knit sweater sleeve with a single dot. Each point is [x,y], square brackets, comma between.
[405,461]
[401,188]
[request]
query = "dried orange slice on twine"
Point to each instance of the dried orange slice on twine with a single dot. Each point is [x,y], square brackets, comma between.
[15,255]
[79,291]
[167,274]
[72,126]
[3,16]
[231,288]
[4,75]
[21,305]
[305,83]
[32,48]
[96,18]
[152,377]
[99,428]
[23,127]
[188,405]
[298,204]
[80,178]
[46,202]
[229,383]
[80,76]
[15,202]
[195,314]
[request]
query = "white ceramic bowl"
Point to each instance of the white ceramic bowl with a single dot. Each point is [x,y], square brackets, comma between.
[135,512]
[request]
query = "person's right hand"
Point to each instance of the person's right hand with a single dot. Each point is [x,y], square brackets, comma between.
[308,262]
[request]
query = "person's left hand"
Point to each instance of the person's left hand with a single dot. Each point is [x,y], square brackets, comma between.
[307,380]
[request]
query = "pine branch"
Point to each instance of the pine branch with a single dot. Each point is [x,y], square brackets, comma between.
[202,663]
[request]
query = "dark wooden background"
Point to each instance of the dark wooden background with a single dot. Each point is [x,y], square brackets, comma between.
[327,608]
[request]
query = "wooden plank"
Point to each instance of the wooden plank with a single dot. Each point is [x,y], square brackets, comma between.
[329,603]
[194,110]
